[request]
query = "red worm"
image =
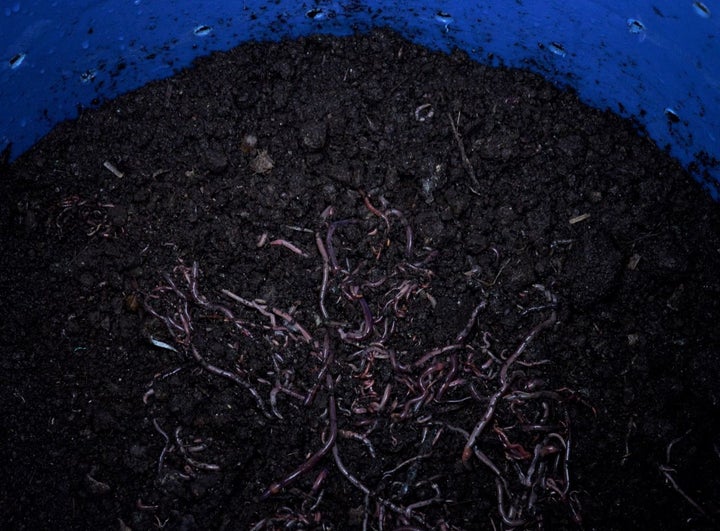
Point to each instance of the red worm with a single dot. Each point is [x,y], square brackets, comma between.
[329,241]
[313,460]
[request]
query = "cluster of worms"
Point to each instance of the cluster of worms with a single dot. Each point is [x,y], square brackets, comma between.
[433,426]
[90,215]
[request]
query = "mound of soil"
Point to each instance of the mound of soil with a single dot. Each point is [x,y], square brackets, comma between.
[350,283]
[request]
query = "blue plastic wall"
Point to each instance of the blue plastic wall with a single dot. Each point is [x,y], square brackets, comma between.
[656,61]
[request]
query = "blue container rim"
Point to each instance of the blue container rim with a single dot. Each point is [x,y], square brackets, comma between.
[655,63]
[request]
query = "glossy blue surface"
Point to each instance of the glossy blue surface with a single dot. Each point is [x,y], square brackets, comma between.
[658,62]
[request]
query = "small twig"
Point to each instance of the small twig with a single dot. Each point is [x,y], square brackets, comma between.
[463,156]
[667,471]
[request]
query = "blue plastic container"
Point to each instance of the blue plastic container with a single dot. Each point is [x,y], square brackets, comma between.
[658,62]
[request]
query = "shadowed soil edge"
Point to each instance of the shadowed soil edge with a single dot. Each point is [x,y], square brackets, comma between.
[456,295]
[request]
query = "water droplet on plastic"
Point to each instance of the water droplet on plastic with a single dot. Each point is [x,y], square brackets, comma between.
[316,14]
[635,26]
[16,60]
[557,49]
[88,76]
[202,30]
[672,115]
[444,18]
[701,9]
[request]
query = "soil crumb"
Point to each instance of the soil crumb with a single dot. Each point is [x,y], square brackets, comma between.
[350,283]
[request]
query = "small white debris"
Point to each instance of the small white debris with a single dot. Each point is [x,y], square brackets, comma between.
[111,167]
[162,344]
[633,262]
[578,219]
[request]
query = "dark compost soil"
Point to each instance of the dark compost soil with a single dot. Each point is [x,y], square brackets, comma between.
[352,283]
